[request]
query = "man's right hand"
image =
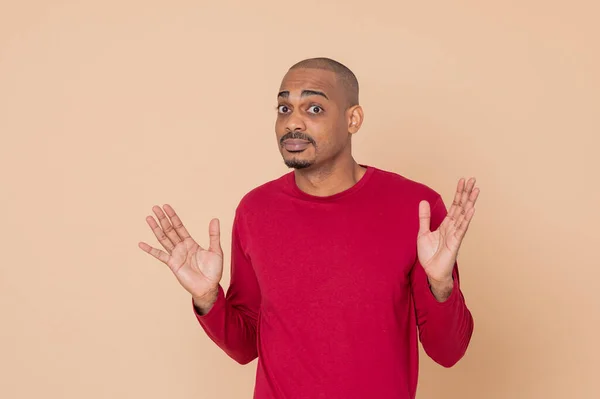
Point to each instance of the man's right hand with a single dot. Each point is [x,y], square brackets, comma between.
[198,270]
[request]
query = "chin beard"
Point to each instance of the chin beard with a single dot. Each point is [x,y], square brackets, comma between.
[297,163]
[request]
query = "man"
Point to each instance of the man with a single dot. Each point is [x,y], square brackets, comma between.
[335,266]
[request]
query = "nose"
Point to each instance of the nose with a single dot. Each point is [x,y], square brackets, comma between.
[294,123]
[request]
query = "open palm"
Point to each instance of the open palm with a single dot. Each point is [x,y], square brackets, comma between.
[437,250]
[197,269]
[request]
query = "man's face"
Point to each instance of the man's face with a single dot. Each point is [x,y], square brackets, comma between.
[311,125]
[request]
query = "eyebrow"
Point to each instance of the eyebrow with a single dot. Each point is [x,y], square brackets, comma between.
[305,93]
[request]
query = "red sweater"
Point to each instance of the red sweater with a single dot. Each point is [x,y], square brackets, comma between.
[328,293]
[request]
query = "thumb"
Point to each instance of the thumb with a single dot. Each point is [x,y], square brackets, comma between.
[214,231]
[424,217]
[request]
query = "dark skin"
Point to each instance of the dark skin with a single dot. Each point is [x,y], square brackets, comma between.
[330,168]
[313,104]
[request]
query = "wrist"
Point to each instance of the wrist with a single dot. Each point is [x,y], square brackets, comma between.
[204,302]
[441,281]
[442,288]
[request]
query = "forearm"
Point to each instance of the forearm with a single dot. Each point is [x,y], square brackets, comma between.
[447,330]
[232,328]
[231,320]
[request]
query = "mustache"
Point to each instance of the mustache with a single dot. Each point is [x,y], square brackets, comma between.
[297,135]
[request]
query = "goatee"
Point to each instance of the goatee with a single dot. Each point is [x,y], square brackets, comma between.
[297,163]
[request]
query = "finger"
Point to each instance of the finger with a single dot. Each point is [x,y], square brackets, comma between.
[472,198]
[214,231]
[460,218]
[424,217]
[160,235]
[468,191]
[464,197]
[456,199]
[177,224]
[166,225]
[157,253]
[469,204]
[464,225]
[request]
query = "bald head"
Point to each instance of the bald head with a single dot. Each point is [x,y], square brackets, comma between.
[345,76]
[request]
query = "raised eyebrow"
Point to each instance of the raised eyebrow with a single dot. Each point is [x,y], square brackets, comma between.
[305,93]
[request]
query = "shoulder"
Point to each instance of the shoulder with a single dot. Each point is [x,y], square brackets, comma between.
[399,185]
[262,195]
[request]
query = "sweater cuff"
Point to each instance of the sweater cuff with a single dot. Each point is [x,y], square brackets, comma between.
[216,309]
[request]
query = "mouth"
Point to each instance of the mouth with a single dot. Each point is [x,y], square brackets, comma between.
[295,145]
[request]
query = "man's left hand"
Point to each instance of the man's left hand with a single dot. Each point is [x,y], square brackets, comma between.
[437,250]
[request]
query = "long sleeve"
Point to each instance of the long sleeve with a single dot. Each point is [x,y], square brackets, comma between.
[232,321]
[445,328]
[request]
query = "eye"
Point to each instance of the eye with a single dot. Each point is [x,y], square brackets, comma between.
[315,109]
[282,109]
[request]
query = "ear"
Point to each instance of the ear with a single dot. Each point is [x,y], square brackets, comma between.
[355,118]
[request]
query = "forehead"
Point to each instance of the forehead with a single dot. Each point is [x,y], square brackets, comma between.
[299,79]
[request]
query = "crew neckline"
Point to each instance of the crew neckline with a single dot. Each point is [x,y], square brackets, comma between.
[291,181]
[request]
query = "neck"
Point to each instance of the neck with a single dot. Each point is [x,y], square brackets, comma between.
[329,179]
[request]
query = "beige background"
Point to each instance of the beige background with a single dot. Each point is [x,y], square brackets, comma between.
[107,108]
